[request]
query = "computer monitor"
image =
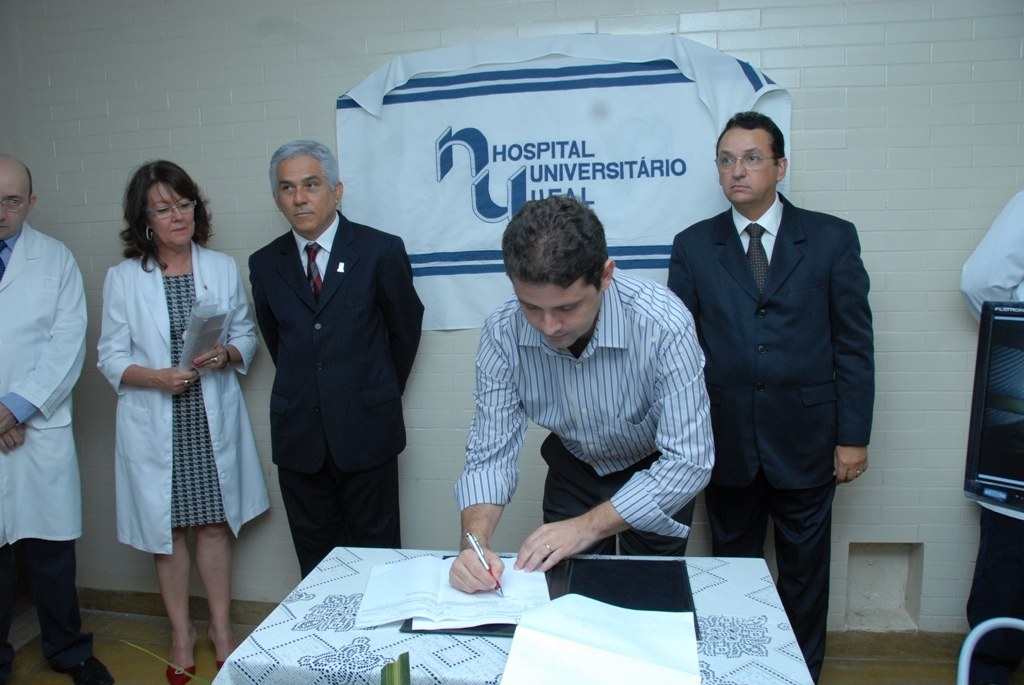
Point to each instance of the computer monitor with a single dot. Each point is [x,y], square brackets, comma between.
[995,444]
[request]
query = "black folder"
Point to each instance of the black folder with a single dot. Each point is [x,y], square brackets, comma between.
[641,584]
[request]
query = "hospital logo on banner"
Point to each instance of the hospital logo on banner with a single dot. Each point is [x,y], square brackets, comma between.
[546,168]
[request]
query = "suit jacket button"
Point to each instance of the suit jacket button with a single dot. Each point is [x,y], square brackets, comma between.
[317,326]
[762,348]
[761,313]
[760,387]
[316,409]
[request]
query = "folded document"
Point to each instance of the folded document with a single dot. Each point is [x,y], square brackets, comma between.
[575,639]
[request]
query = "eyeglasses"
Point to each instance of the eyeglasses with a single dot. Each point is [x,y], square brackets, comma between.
[185,207]
[751,161]
[14,205]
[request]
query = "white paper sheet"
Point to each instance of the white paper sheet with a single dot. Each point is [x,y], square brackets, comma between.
[418,588]
[575,639]
[205,329]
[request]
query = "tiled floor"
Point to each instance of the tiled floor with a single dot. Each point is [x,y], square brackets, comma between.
[852,658]
[117,642]
[861,658]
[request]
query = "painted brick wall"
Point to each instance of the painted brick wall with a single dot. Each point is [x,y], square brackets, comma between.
[907,120]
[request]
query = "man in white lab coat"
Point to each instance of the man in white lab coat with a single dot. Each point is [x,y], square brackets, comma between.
[42,346]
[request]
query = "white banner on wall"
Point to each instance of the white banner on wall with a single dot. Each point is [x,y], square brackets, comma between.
[443,147]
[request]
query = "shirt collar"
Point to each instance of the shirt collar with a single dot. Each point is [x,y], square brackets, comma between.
[325,240]
[769,221]
[13,238]
[604,335]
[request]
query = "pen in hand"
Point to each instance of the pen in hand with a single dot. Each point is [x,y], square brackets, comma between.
[475,544]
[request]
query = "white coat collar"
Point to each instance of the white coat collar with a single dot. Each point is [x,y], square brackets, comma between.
[151,289]
[25,252]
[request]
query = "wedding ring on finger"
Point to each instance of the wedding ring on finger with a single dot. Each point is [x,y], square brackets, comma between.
[186,382]
[216,360]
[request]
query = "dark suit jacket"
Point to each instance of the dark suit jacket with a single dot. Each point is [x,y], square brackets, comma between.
[791,374]
[343,360]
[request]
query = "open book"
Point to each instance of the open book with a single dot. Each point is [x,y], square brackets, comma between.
[418,588]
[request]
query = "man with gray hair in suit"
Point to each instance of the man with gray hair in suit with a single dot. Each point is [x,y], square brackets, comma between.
[336,305]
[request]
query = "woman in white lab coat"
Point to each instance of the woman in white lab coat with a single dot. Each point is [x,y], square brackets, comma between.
[185,458]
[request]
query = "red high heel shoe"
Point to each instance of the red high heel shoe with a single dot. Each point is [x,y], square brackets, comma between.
[180,676]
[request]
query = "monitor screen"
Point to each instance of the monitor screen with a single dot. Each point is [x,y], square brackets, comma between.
[995,444]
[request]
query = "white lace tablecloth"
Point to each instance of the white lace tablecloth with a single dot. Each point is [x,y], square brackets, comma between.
[310,638]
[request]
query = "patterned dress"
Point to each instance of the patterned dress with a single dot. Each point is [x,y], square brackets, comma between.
[195,489]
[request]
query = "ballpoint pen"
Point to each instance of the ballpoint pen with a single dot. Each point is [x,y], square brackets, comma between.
[475,544]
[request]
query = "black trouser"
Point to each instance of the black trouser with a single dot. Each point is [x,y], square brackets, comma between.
[997,591]
[335,508]
[573,488]
[51,575]
[802,521]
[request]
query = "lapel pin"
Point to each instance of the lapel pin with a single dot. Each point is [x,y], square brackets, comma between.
[341,267]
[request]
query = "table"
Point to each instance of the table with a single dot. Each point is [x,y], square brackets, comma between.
[310,639]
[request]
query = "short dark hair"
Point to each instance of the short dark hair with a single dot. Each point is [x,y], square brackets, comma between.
[555,240]
[136,199]
[752,121]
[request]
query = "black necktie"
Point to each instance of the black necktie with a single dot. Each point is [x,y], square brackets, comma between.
[3,266]
[756,256]
[312,271]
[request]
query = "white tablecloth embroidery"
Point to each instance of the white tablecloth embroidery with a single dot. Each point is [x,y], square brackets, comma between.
[309,639]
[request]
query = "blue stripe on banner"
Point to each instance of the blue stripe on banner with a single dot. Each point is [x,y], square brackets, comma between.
[467,256]
[652,263]
[639,249]
[659,263]
[460,269]
[751,75]
[534,87]
[489,261]
[484,255]
[520,74]
[344,102]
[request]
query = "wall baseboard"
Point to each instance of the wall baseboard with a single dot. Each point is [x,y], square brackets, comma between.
[149,604]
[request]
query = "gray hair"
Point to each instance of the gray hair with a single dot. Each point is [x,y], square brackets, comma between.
[305,148]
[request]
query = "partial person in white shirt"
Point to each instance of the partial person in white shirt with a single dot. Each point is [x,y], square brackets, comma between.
[995,273]
[610,364]
[42,348]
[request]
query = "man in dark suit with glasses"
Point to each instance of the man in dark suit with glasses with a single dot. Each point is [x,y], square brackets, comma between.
[780,297]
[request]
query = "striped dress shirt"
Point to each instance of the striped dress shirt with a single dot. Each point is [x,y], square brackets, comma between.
[637,388]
